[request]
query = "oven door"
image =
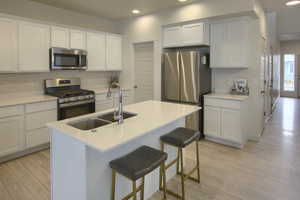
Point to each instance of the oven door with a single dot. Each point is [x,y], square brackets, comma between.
[67,59]
[68,111]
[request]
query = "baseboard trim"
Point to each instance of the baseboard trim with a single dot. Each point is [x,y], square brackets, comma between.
[225,142]
[24,153]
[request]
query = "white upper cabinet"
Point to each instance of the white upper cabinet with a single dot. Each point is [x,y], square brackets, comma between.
[195,34]
[8,45]
[96,48]
[77,39]
[230,44]
[172,36]
[34,46]
[114,52]
[60,37]
[186,35]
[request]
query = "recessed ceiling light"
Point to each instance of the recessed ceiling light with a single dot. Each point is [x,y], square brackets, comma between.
[135,11]
[292,3]
[182,0]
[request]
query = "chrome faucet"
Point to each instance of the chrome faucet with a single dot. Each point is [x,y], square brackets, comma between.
[118,114]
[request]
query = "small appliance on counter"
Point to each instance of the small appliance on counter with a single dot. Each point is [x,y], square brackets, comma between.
[67,59]
[240,87]
[72,100]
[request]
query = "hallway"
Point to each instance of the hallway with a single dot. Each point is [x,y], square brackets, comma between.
[267,170]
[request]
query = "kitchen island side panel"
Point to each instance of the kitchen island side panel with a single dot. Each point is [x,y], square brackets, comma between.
[68,167]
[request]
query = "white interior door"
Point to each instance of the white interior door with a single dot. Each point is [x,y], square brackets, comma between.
[289,75]
[144,62]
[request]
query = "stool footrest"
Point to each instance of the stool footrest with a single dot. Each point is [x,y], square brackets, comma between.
[189,175]
[171,163]
[170,192]
[133,193]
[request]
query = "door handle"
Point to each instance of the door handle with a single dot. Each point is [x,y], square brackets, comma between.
[135,87]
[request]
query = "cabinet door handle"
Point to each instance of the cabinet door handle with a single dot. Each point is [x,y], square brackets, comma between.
[135,87]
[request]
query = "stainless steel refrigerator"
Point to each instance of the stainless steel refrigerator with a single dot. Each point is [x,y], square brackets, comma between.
[186,77]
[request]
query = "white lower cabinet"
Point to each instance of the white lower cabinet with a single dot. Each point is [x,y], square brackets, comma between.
[37,137]
[212,121]
[11,135]
[231,125]
[36,117]
[225,121]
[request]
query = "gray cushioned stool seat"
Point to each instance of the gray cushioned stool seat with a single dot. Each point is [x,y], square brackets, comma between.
[139,162]
[180,137]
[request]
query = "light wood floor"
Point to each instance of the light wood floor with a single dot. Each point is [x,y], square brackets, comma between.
[267,170]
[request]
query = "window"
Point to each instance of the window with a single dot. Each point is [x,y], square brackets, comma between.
[289,72]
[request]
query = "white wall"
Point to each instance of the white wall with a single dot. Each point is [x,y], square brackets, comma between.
[288,20]
[148,28]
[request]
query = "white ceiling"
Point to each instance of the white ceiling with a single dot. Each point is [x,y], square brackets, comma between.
[114,9]
[276,5]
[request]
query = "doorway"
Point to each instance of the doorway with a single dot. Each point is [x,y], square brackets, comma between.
[289,76]
[143,71]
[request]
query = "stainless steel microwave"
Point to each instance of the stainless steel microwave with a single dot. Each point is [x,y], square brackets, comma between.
[68,59]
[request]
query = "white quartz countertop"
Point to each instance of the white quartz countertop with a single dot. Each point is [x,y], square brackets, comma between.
[227,96]
[12,100]
[151,115]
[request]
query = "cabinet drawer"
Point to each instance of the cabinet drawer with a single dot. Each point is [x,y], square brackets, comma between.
[222,103]
[40,119]
[37,137]
[11,111]
[36,107]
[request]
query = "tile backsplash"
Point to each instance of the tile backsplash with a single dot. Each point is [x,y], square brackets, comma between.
[32,83]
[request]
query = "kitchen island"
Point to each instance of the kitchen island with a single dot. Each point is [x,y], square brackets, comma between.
[80,158]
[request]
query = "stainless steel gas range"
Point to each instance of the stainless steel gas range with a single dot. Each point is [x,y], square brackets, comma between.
[72,100]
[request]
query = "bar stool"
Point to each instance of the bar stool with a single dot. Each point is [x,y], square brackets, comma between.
[180,138]
[136,165]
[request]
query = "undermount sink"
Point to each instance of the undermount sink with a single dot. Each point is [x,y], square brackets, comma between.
[101,120]
[110,116]
[89,124]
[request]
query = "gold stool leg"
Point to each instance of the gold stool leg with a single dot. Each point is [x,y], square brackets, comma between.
[182,175]
[198,162]
[162,148]
[143,188]
[134,189]
[164,181]
[177,164]
[113,185]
